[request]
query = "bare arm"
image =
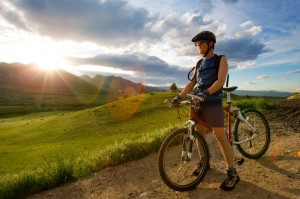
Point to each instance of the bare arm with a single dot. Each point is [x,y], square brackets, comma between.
[222,74]
[189,87]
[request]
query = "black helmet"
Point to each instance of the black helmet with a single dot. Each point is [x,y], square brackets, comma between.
[205,35]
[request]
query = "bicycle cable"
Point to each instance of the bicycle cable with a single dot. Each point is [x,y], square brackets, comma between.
[182,112]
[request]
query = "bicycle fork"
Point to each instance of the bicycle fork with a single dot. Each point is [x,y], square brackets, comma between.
[188,142]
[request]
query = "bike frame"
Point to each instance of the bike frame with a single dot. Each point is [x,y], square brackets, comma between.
[229,110]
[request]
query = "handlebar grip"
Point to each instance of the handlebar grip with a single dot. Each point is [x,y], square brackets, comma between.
[197,97]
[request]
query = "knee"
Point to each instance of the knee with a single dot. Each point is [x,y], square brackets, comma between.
[200,129]
[219,134]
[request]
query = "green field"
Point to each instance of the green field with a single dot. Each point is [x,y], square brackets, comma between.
[39,150]
[26,142]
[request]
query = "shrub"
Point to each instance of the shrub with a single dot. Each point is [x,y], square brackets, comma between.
[256,103]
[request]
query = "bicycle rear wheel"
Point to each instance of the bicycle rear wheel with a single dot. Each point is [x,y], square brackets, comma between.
[258,146]
[174,170]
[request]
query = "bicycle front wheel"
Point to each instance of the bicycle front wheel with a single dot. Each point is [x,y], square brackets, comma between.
[256,126]
[175,169]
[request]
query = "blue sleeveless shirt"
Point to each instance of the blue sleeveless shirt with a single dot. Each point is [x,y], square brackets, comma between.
[207,75]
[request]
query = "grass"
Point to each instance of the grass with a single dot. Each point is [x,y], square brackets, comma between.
[66,169]
[295,96]
[42,150]
[256,103]
[26,141]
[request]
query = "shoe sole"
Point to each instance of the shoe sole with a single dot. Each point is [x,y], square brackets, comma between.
[230,188]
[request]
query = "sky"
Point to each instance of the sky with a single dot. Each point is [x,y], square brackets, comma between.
[150,41]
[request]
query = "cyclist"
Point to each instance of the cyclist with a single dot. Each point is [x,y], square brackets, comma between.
[207,83]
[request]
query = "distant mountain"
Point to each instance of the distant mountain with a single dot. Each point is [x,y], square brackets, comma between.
[109,82]
[269,93]
[31,78]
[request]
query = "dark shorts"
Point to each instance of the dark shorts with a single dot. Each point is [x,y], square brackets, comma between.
[212,114]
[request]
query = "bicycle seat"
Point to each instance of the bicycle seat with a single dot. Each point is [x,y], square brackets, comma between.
[229,89]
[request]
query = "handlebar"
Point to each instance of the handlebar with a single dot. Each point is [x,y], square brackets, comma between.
[186,102]
[183,102]
[195,96]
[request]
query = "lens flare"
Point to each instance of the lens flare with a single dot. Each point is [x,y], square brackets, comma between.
[126,108]
[131,94]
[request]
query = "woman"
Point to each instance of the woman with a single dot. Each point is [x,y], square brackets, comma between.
[207,83]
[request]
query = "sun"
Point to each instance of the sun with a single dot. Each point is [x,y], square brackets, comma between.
[51,62]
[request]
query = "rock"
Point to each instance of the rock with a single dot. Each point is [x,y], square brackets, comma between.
[145,195]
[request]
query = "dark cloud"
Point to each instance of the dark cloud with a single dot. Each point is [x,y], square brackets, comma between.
[154,69]
[243,49]
[106,22]
[238,50]
[12,17]
[294,71]
[231,1]
[113,22]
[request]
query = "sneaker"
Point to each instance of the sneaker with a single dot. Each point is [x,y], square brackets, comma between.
[198,168]
[230,180]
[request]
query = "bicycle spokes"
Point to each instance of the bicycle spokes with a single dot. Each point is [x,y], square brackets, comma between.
[252,134]
[178,158]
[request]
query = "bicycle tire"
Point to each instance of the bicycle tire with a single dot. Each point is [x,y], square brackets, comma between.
[257,147]
[169,161]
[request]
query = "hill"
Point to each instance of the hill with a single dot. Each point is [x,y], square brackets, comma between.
[295,96]
[269,93]
[79,132]
[112,83]
[31,78]
[31,85]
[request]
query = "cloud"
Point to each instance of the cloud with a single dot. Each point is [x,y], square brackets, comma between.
[246,24]
[11,17]
[240,49]
[250,83]
[250,32]
[107,22]
[231,1]
[241,65]
[150,68]
[180,28]
[262,77]
[118,24]
[294,71]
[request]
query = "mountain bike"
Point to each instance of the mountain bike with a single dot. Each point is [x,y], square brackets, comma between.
[184,148]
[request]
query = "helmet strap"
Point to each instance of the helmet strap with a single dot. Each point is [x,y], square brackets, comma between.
[209,48]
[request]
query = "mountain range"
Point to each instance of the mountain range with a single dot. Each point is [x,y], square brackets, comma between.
[266,93]
[32,78]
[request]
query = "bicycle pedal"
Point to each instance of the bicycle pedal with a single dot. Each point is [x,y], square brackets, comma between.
[239,161]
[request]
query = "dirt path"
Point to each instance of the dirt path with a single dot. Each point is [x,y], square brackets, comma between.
[275,175]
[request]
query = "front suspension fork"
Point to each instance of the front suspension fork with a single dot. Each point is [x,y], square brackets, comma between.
[188,142]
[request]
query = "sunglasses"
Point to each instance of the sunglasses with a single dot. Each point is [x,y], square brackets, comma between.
[198,43]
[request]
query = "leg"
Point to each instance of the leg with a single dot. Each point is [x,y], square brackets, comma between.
[232,177]
[202,130]
[225,146]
